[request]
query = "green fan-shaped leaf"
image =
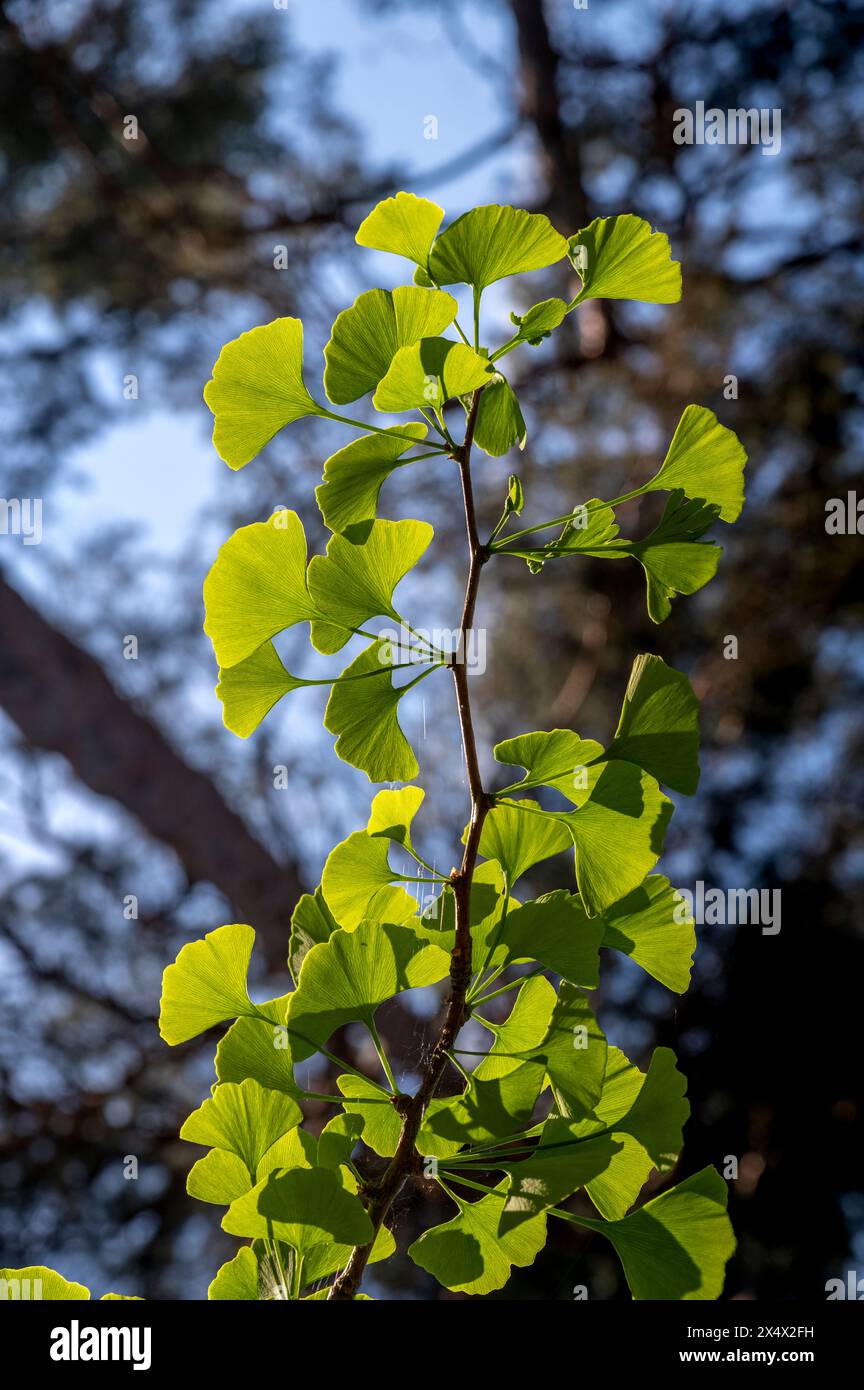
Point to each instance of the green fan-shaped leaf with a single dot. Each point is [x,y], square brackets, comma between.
[575,1050]
[326,1257]
[301,1207]
[311,922]
[256,389]
[219,1177]
[538,321]
[706,460]
[362,714]
[391,815]
[257,587]
[621,258]
[429,373]
[676,1246]
[540,1182]
[518,840]
[617,833]
[249,690]
[659,725]
[500,424]
[382,1124]
[245,1119]
[23,1284]
[555,931]
[471,1253]
[366,337]
[650,926]
[355,581]
[674,559]
[207,983]
[338,1140]
[260,1048]
[556,758]
[354,476]
[237,1280]
[346,978]
[358,883]
[489,243]
[404,225]
[121,1298]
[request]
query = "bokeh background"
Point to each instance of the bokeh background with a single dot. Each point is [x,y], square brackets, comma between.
[264,126]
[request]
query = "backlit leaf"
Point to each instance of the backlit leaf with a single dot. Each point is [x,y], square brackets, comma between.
[245,1119]
[430,373]
[302,1207]
[257,388]
[650,927]
[405,225]
[621,258]
[345,979]
[471,1253]
[362,713]
[366,337]
[659,725]
[355,580]
[500,424]
[207,983]
[706,460]
[491,242]
[353,477]
[358,883]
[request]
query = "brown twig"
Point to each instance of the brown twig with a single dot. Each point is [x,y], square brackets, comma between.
[403,1162]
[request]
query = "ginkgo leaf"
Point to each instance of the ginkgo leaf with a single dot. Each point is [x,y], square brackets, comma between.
[677,1245]
[555,931]
[621,258]
[339,1139]
[256,389]
[345,979]
[538,321]
[260,1048]
[325,1258]
[301,1207]
[674,559]
[517,839]
[355,580]
[541,1181]
[311,922]
[404,225]
[121,1298]
[38,1282]
[618,833]
[556,758]
[382,1124]
[358,883]
[429,373]
[575,1050]
[362,713]
[257,587]
[249,690]
[392,813]
[470,1253]
[650,927]
[245,1119]
[365,338]
[207,983]
[646,1113]
[659,725]
[237,1280]
[354,476]
[219,1177]
[491,242]
[500,424]
[706,460]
